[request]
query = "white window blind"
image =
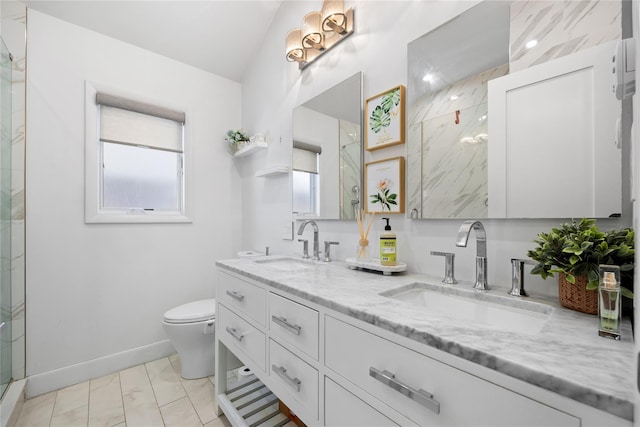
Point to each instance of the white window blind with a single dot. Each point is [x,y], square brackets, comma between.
[128,122]
[305,157]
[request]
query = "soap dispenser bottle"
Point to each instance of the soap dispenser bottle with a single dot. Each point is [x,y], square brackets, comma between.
[387,245]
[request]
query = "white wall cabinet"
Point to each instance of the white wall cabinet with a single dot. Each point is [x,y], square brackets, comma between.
[331,369]
[564,106]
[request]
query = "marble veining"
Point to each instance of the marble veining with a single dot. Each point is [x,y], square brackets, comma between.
[447,133]
[567,357]
[560,28]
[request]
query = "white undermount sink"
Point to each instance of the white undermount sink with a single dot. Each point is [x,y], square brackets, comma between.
[475,307]
[287,264]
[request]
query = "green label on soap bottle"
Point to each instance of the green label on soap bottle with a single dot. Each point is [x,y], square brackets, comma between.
[387,251]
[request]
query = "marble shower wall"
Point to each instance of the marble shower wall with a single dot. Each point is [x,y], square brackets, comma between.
[349,167]
[561,28]
[14,27]
[452,127]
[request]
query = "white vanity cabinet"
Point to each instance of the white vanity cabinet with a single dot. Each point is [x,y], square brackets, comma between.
[244,297]
[343,408]
[429,392]
[294,324]
[242,336]
[332,369]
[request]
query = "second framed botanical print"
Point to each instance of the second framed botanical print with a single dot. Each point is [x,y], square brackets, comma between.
[384,119]
[384,185]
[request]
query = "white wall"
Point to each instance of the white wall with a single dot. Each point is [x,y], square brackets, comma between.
[378,47]
[96,293]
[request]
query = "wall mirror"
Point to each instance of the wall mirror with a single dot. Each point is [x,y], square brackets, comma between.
[327,153]
[510,113]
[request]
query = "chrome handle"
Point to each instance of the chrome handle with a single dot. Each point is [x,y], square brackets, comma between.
[517,277]
[282,373]
[424,398]
[235,295]
[234,333]
[2,325]
[449,269]
[327,250]
[294,329]
[305,248]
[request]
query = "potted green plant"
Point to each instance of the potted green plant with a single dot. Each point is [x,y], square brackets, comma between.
[574,251]
[236,139]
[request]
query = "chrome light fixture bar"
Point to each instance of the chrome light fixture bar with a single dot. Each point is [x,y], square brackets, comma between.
[321,30]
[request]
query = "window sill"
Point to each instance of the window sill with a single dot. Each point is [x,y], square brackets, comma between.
[146,218]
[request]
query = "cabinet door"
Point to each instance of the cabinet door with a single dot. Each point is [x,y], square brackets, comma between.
[426,391]
[341,408]
[552,126]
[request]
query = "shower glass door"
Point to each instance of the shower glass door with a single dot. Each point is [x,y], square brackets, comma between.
[5,218]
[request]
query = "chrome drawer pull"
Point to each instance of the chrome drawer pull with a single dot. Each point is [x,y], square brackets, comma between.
[282,373]
[234,333]
[424,398]
[294,329]
[235,295]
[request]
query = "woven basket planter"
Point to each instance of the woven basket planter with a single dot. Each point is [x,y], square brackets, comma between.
[576,296]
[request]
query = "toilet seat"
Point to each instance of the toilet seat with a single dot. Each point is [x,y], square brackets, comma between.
[196,311]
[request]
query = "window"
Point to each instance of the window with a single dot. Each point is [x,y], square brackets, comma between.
[135,161]
[306,184]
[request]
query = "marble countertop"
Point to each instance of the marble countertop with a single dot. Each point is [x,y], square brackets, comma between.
[566,357]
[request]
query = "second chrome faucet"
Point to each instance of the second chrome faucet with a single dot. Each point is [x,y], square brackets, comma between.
[316,243]
[481,250]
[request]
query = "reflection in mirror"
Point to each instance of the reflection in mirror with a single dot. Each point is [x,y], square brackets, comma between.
[470,156]
[327,153]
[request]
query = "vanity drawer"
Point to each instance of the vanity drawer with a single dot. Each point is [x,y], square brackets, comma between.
[243,296]
[341,408]
[381,367]
[295,324]
[294,381]
[239,334]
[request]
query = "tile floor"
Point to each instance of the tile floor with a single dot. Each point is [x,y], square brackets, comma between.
[152,394]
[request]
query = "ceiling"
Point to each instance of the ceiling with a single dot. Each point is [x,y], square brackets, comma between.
[219,36]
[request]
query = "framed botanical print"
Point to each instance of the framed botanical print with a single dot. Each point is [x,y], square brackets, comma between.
[384,185]
[384,119]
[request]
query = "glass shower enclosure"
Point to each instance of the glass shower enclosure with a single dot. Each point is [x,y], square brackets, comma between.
[5,218]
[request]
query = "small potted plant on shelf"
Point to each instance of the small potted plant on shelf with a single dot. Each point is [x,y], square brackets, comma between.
[574,251]
[236,139]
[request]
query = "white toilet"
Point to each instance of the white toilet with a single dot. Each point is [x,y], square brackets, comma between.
[191,329]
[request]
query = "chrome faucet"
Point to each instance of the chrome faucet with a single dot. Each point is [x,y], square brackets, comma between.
[517,277]
[316,245]
[481,250]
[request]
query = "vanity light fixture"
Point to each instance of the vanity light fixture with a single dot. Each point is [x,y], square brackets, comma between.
[295,52]
[312,36]
[321,30]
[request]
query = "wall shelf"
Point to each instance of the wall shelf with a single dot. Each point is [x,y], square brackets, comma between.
[250,148]
[273,171]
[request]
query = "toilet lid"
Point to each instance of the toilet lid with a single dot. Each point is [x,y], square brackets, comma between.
[195,311]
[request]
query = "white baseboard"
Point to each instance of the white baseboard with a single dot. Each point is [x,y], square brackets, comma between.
[11,403]
[69,375]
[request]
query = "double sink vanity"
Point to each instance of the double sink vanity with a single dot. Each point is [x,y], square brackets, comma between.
[348,347]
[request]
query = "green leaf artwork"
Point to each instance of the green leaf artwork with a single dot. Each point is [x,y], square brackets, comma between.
[379,119]
[381,115]
[390,100]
